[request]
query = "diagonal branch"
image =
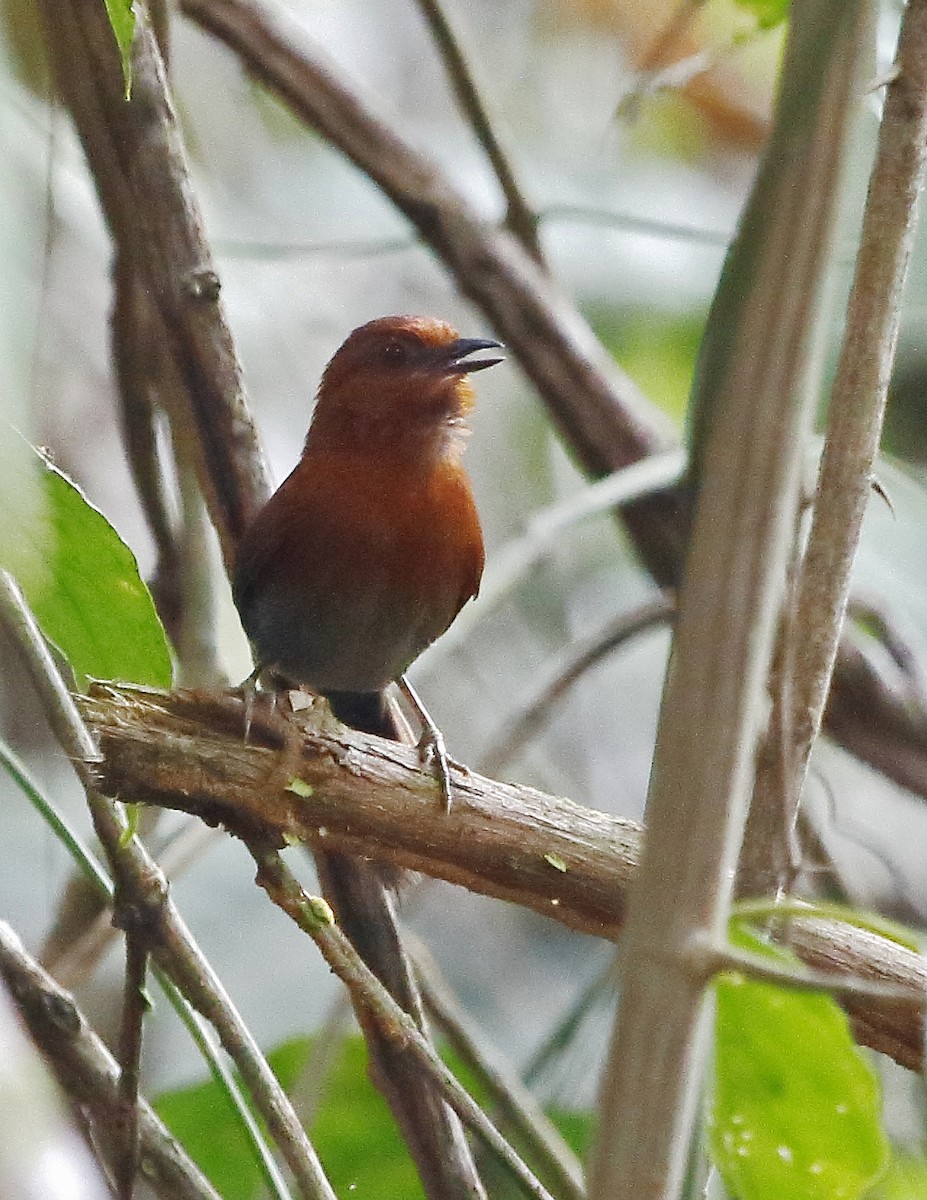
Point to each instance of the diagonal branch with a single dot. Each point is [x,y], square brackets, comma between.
[90,1076]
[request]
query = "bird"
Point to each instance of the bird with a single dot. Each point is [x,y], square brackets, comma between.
[371,546]
[357,563]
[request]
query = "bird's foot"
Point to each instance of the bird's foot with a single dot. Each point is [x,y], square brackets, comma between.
[432,754]
[273,723]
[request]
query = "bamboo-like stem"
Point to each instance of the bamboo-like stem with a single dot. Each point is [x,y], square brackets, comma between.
[759,344]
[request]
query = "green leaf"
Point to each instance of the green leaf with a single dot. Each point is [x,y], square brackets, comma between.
[122,20]
[356,1138]
[657,350]
[796,1107]
[353,1132]
[905,1179]
[78,576]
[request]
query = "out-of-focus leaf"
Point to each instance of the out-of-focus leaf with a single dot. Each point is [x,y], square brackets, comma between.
[796,1107]
[576,1128]
[658,351]
[80,579]
[356,1138]
[768,13]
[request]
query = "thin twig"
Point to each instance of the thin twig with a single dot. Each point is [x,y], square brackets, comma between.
[170,941]
[714,959]
[511,564]
[861,381]
[519,217]
[134,1010]
[90,1075]
[565,671]
[517,1105]
[315,918]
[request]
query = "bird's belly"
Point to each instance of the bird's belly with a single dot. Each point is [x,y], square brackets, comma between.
[356,638]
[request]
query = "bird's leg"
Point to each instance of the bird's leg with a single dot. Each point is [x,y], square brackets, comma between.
[432,751]
[248,694]
[276,724]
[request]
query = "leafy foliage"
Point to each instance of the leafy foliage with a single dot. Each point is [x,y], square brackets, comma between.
[768,13]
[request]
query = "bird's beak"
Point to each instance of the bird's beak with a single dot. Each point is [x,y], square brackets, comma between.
[455,357]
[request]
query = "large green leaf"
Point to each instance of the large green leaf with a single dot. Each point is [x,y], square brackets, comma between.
[796,1106]
[80,579]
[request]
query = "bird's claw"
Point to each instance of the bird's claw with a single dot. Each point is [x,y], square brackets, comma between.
[432,754]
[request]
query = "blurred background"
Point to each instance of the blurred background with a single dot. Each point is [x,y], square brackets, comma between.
[639,178]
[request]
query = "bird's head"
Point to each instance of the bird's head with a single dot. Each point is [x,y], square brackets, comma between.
[399,382]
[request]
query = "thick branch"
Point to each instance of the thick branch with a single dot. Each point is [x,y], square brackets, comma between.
[185,751]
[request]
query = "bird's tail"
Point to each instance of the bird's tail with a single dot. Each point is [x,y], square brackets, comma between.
[372,712]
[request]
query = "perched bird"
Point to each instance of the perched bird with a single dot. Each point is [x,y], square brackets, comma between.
[363,557]
[369,549]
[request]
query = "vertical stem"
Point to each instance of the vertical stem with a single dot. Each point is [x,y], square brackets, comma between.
[756,411]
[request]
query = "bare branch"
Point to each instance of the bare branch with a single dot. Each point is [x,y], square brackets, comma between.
[568,668]
[519,217]
[515,1102]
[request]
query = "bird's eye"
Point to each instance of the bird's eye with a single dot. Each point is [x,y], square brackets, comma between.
[394,354]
